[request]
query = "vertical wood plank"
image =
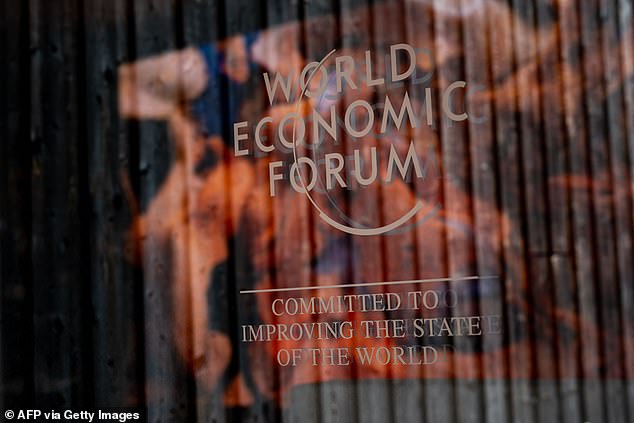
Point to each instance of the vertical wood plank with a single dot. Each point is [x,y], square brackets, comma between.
[626,16]
[575,130]
[540,281]
[239,18]
[458,207]
[167,386]
[118,363]
[367,204]
[561,259]
[207,236]
[16,324]
[485,179]
[291,245]
[621,199]
[509,161]
[371,400]
[427,245]
[431,260]
[603,218]
[397,198]
[62,369]
[321,34]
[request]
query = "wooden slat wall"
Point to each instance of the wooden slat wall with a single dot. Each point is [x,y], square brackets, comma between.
[544,182]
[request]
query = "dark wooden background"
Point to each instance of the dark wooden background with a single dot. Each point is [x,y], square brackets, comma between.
[81,327]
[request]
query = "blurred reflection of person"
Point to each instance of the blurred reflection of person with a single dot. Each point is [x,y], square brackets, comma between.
[201,92]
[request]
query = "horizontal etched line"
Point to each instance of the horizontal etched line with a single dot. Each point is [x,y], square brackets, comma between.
[356,285]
